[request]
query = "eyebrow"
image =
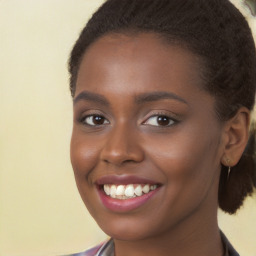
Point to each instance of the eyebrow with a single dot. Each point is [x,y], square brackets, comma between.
[90,96]
[155,96]
[139,99]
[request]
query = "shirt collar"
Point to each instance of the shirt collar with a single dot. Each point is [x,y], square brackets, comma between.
[228,248]
[108,248]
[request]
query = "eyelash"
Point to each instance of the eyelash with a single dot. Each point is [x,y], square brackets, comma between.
[83,120]
[171,121]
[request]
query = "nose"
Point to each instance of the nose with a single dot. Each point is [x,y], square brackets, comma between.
[122,146]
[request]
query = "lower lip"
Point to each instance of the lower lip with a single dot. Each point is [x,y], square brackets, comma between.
[117,205]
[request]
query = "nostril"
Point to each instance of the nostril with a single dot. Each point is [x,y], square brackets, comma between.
[128,161]
[119,162]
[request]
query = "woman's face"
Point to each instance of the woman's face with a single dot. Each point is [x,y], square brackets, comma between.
[146,130]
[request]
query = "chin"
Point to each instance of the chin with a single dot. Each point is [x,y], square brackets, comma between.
[128,230]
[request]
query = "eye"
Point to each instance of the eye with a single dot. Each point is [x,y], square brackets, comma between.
[94,120]
[159,120]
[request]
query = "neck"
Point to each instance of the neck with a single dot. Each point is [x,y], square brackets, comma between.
[195,236]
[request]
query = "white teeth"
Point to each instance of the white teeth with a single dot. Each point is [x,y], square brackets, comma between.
[146,189]
[127,191]
[107,189]
[153,187]
[113,191]
[138,191]
[120,190]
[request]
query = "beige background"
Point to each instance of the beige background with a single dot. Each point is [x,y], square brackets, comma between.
[41,212]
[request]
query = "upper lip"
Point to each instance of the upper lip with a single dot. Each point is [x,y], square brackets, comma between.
[124,180]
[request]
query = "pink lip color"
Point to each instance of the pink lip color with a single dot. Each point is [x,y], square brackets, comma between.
[121,206]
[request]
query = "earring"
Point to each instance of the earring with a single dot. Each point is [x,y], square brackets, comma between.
[229,169]
[228,165]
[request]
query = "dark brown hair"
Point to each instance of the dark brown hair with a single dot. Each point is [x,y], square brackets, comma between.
[215,31]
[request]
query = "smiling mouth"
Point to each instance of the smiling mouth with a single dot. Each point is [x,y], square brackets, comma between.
[124,192]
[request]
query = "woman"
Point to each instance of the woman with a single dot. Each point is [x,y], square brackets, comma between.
[163,92]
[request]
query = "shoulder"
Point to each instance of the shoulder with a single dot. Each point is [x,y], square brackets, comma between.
[96,250]
[90,252]
[229,249]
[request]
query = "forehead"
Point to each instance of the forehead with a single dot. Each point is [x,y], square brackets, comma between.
[141,60]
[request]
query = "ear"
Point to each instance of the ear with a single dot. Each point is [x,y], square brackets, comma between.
[236,134]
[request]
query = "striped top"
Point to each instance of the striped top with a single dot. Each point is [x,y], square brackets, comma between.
[108,249]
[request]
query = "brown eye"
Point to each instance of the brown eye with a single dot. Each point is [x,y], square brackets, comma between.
[95,120]
[160,120]
[98,120]
[163,120]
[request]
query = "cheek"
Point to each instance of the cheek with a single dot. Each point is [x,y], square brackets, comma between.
[83,154]
[190,171]
[84,158]
[187,161]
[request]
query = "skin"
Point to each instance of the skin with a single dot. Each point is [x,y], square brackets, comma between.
[184,156]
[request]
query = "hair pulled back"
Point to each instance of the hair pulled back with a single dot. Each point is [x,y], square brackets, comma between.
[215,31]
